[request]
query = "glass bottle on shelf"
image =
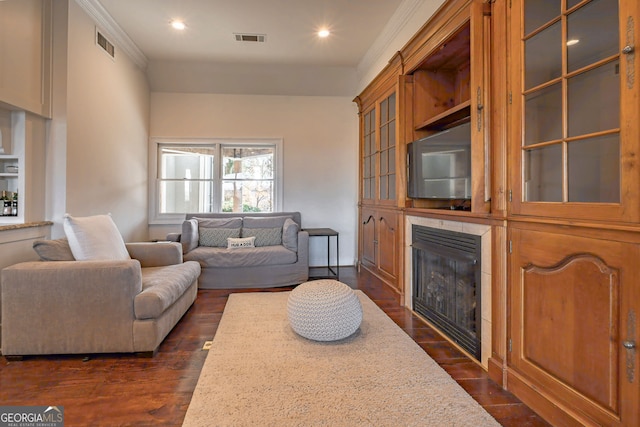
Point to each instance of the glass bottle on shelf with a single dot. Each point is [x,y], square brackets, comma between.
[6,203]
[14,204]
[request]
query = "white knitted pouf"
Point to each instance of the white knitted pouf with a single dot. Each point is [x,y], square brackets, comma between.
[324,310]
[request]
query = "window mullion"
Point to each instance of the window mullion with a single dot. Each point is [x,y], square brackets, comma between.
[217,180]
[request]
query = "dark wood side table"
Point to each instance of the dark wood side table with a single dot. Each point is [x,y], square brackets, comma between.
[329,272]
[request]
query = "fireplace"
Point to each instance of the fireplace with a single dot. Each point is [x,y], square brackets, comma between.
[446,286]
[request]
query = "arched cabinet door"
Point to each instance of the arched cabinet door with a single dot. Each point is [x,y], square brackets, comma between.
[368,238]
[388,231]
[574,306]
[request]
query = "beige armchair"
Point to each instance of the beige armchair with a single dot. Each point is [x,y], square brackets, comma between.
[84,307]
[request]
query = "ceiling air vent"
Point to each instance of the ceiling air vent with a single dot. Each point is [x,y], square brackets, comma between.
[259,38]
[105,44]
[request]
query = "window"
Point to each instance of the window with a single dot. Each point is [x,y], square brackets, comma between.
[214,176]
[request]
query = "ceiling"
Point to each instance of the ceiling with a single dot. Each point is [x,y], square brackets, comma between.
[206,58]
[290,27]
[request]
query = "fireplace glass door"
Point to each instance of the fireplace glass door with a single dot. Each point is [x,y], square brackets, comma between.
[446,284]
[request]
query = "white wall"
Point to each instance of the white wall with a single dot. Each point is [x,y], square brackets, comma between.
[107,132]
[320,151]
[265,79]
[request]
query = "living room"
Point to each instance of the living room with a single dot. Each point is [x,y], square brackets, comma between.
[553,186]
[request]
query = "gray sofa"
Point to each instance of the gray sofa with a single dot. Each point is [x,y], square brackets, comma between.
[63,306]
[270,265]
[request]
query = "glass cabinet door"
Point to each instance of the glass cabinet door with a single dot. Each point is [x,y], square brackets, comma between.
[369,155]
[379,151]
[572,84]
[387,178]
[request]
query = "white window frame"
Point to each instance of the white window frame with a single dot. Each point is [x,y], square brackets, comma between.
[155,217]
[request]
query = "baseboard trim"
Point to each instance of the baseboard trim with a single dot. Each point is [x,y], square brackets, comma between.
[555,413]
[497,371]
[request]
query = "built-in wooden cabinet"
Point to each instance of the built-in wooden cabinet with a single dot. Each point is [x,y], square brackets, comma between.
[381,183]
[551,91]
[437,81]
[574,216]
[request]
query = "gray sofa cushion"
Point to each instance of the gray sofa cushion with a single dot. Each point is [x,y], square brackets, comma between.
[264,221]
[227,223]
[245,257]
[162,286]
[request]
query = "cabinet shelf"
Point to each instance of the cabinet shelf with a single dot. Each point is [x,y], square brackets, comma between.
[447,118]
[13,125]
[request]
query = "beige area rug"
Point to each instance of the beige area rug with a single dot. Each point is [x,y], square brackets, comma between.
[260,373]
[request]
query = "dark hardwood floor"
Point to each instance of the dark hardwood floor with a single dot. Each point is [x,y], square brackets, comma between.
[124,390]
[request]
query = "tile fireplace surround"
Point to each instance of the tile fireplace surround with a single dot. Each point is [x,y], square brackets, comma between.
[484,231]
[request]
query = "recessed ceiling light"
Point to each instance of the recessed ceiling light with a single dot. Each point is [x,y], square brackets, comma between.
[572,42]
[178,25]
[323,33]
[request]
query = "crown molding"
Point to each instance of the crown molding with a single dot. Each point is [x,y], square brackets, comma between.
[397,21]
[107,24]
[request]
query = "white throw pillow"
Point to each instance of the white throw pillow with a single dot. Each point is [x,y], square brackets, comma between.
[241,242]
[94,238]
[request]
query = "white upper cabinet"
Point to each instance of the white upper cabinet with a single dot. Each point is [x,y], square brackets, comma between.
[25,55]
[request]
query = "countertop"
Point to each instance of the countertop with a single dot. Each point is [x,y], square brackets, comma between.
[7,227]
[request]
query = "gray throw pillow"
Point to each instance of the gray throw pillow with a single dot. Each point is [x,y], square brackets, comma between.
[53,250]
[264,236]
[214,232]
[266,229]
[217,237]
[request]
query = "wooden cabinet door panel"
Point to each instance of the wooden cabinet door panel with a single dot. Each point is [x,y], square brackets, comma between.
[368,237]
[570,313]
[570,301]
[388,243]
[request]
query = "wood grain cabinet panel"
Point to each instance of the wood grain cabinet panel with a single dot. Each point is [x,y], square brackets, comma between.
[379,244]
[571,301]
[368,239]
[388,244]
[557,333]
